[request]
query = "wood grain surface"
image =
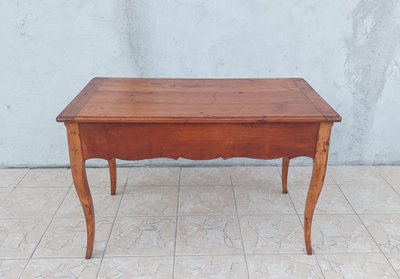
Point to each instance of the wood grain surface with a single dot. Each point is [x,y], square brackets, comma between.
[198,101]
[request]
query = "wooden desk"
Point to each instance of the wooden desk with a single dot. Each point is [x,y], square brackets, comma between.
[199,119]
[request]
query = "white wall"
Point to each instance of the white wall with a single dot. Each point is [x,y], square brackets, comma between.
[348,50]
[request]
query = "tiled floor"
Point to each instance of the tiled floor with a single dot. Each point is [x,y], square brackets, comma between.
[225,222]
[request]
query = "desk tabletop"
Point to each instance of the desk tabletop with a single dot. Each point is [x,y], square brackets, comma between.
[198,101]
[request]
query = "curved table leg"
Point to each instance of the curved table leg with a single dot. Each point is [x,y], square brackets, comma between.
[285,170]
[317,180]
[81,185]
[112,165]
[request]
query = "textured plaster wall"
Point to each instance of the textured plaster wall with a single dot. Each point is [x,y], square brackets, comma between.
[349,50]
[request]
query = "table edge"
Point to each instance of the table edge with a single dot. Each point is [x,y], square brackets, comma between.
[71,111]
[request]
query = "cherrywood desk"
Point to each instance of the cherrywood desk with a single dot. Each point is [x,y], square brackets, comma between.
[197,119]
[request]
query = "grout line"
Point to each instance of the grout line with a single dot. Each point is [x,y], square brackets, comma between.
[113,223]
[295,209]
[370,234]
[319,265]
[188,255]
[190,215]
[45,231]
[390,184]
[176,222]
[23,177]
[240,228]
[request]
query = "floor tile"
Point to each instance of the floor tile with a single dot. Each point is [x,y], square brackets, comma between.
[302,175]
[390,173]
[262,200]
[206,176]
[340,234]
[11,177]
[19,237]
[104,204]
[47,178]
[210,267]
[5,194]
[153,177]
[200,235]
[61,268]
[356,266]
[252,176]
[101,176]
[385,229]
[149,201]
[272,234]
[331,200]
[396,187]
[356,175]
[12,268]
[394,259]
[206,201]
[137,267]
[32,202]
[142,236]
[66,237]
[372,198]
[283,266]
[4,190]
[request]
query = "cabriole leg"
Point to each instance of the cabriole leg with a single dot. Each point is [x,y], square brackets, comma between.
[317,180]
[81,185]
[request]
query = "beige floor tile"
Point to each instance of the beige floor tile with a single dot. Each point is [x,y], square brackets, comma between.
[252,176]
[283,266]
[47,178]
[4,194]
[356,266]
[356,175]
[205,176]
[372,198]
[396,187]
[210,267]
[331,200]
[136,267]
[394,259]
[142,236]
[66,237]
[104,204]
[101,176]
[4,190]
[153,177]
[19,237]
[206,201]
[272,234]
[390,173]
[302,175]
[385,229]
[32,202]
[200,235]
[262,200]
[11,177]
[12,268]
[340,234]
[149,201]
[61,268]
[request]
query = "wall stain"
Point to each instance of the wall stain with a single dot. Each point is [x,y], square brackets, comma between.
[136,37]
[375,38]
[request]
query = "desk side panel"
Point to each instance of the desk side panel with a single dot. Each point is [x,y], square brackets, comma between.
[137,141]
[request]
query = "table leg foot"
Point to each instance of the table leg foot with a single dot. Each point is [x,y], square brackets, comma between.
[112,165]
[285,170]
[317,181]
